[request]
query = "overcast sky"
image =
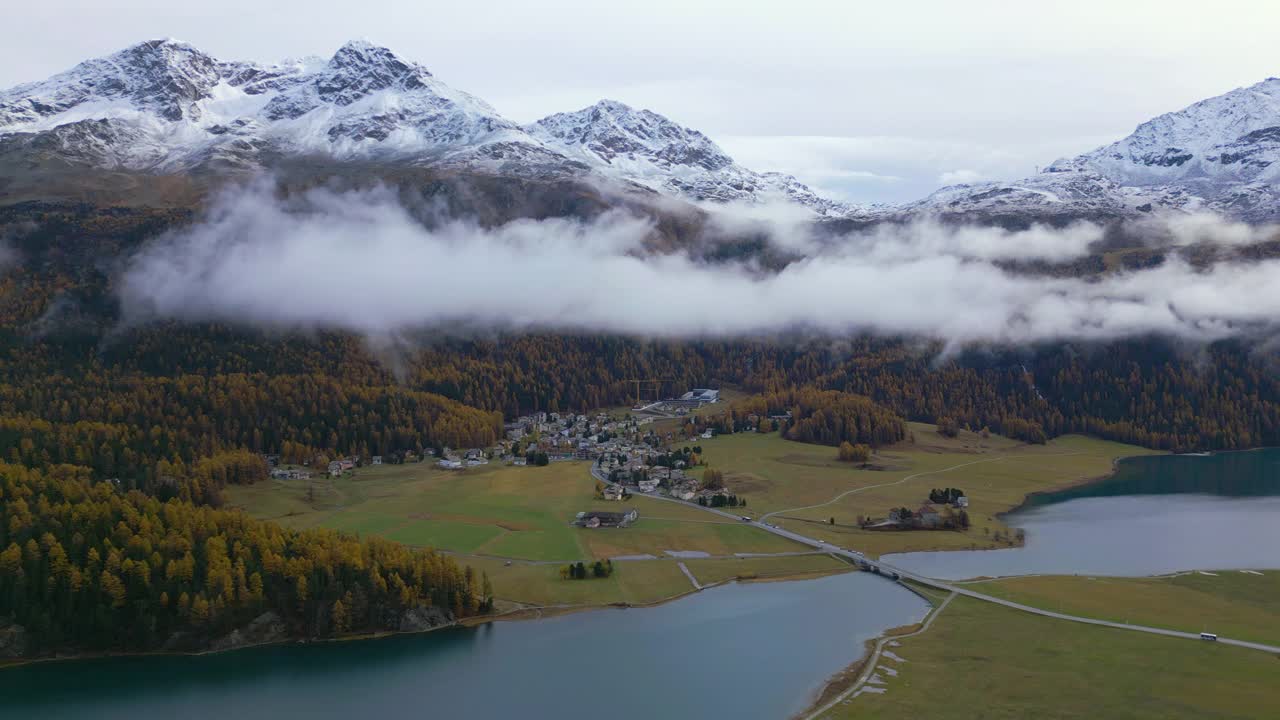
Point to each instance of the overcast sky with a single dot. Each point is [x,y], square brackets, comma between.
[869,102]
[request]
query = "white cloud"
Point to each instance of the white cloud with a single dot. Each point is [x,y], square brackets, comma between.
[361,262]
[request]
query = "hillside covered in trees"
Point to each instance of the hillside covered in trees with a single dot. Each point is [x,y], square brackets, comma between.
[87,566]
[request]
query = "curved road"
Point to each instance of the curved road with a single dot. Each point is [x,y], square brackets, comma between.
[858,557]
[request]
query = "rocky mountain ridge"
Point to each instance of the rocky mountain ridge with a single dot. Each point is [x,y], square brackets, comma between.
[165,108]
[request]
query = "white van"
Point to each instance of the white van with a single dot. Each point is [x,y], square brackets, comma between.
[1208,636]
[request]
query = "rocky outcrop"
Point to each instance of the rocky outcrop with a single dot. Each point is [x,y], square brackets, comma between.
[423,618]
[266,628]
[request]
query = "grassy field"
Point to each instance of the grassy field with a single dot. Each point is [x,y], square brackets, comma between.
[979,660]
[638,582]
[1230,603]
[634,582]
[996,473]
[516,512]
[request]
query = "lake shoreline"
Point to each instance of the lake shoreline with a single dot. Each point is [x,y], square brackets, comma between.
[1084,482]
[820,625]
[522,614]
[1115,467]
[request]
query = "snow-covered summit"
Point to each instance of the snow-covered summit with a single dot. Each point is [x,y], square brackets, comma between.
[1220,154]
[1231,138]
[170,107]
[166,78]
[652,150]
[638,141]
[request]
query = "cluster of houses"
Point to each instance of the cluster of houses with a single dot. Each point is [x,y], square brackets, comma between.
[628,444]
[636,467]
[557,437]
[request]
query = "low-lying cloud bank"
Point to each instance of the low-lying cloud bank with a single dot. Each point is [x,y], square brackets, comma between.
[360,261]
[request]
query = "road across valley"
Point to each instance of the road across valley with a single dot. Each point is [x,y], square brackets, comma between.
[890,570]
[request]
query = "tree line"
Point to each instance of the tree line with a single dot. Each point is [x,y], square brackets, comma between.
[826,417]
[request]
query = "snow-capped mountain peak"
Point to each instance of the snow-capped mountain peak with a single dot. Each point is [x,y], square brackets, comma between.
[164,77]
[1233,137]
[359,68]
[650,149]
[618,134]
[1220,154]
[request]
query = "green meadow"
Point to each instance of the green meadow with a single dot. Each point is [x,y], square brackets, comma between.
[508,512]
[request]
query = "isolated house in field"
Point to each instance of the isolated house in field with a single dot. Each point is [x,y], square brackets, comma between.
[613,492]
[604,519]
[928,516]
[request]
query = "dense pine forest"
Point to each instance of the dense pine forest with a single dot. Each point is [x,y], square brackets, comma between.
[119,437]
[84,565]
[824,417]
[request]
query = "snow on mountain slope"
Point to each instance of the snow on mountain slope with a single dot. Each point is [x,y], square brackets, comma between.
[164,106]
[171,107]
[1058,194]
[649,149]
[1221,154]
[1226,139]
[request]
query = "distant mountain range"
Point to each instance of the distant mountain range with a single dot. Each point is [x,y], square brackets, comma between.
[163,108]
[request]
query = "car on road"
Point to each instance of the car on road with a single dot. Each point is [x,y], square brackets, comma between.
[746,519]
[1208,636]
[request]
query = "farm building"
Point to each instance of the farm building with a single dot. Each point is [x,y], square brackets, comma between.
[602,519]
